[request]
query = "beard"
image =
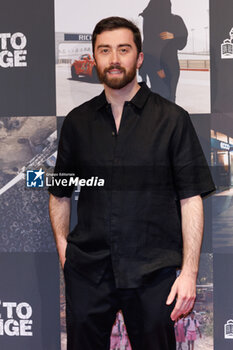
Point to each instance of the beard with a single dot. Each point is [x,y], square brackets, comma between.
[116,82]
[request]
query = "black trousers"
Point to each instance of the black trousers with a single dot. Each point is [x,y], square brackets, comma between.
[91,311]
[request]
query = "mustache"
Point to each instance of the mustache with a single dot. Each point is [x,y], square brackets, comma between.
[114,66]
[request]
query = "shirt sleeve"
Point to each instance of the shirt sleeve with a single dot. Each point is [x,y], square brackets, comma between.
[191,172]
[65,166]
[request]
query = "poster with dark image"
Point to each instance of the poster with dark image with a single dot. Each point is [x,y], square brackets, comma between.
[29,307]
[222,164]
[27,58]
[26,143]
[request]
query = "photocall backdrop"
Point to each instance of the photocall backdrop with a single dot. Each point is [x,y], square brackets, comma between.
[46,69]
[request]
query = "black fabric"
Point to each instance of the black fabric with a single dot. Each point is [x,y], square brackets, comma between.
[91,310]
[154,161]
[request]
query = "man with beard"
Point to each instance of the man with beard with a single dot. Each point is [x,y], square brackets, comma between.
[125,249]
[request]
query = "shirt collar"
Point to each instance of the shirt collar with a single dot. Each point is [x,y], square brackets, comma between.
[138,100]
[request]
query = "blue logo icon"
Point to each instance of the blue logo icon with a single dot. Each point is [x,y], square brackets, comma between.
[35,178]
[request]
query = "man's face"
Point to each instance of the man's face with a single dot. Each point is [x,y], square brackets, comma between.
[116,58]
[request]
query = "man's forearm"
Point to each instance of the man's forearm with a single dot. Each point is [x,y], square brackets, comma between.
[192,231]
[59,211]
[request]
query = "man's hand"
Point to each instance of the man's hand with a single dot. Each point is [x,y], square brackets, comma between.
[161,73]
[184,288]
[166,36]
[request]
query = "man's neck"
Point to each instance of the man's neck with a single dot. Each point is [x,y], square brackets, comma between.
[117,97]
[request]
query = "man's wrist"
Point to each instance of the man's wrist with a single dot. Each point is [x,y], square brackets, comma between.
[61,247]
[189,272]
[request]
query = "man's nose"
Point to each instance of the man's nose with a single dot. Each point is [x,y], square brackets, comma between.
[114,57]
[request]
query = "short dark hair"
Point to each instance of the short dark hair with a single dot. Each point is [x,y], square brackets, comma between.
[111,23]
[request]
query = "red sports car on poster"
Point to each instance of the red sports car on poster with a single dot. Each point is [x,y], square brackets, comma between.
[84,66]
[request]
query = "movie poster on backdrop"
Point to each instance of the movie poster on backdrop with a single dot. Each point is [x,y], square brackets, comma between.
[27,144]
[29,301]
[176,47]
[29,275]
[222,165]
[221,51]
[27,58]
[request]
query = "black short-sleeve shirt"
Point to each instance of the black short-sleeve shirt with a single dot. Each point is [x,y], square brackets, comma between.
[153,161]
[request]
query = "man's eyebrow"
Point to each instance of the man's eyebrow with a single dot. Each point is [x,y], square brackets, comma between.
[106,45]
[102,45]
[124,45]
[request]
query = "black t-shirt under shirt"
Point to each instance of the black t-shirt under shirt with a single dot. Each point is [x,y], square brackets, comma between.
[153,161]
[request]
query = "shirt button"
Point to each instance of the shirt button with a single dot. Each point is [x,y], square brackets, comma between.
[113,133]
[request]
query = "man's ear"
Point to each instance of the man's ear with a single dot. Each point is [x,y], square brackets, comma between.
[140,59]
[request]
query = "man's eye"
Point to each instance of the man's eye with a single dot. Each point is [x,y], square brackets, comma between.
[105,50]
[124,50]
